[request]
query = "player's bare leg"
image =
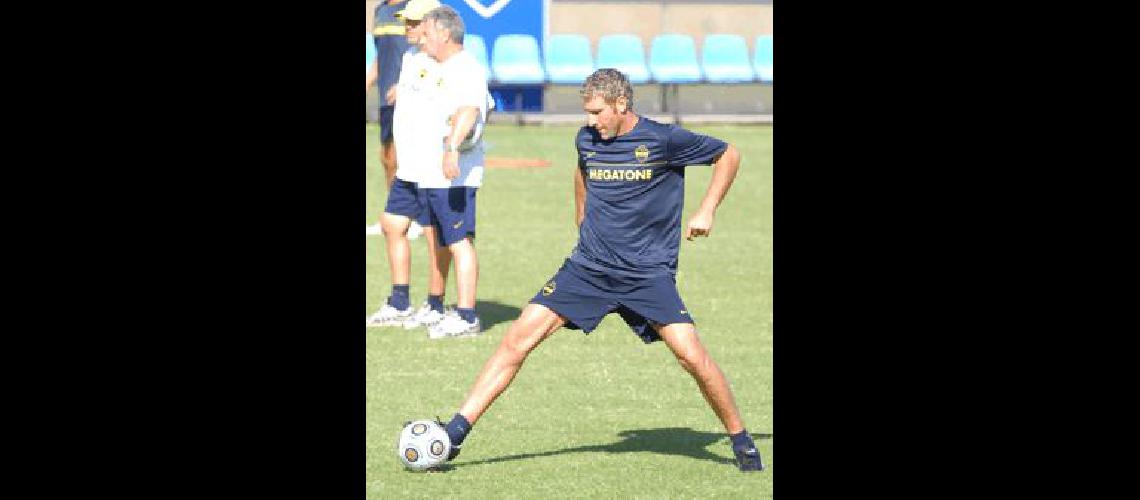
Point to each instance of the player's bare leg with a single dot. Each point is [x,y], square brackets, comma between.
[465,322]
[466,272]
[535,324]
[388,159]
[399,254]
[440,258]
[682,339]
[396,311]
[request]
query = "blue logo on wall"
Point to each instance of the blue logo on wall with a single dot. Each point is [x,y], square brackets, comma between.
[487,11]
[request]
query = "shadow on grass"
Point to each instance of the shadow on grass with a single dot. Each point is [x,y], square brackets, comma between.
[493,313]
[679,441]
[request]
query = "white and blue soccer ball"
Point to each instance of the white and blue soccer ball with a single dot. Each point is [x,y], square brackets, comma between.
[423,444]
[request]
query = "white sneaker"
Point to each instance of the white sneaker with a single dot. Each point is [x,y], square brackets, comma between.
[373,229]
[424,316]
[390,316]
[415,230]
[453,326]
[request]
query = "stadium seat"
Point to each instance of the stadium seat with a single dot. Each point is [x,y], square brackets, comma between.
[568,59]
[673,59]
[515,60]
[725,59]
[624,53]
[763,59]
[478,48]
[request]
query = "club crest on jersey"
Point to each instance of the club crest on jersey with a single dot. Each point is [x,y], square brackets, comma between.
[423,73]
[641,153]
[548,288]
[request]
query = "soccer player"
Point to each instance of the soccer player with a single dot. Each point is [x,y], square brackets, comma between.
[459,112]
[629,193]
[391,44]
[390,47]
[416,136]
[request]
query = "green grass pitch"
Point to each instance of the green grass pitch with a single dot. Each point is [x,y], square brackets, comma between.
[591,416]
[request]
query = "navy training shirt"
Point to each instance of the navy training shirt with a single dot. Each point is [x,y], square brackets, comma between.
[635,191]
[390,45]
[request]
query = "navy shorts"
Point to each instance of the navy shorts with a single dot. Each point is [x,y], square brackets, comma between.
[386,113]
[404,198]
[584,296]
[452,213]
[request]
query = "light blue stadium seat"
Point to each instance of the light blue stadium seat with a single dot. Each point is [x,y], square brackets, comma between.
[478,48]
[725,59]
[624,53]
[568,59]
[763,58]
[673,59]
[515,60]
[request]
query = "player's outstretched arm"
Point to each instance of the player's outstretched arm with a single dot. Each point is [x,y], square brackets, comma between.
[724,172]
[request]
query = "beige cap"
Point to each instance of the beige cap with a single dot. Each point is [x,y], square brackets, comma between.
[415,9]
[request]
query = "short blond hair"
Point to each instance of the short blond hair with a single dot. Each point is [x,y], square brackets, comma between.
[609,84]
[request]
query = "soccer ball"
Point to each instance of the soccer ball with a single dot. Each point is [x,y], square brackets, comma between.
[423,444]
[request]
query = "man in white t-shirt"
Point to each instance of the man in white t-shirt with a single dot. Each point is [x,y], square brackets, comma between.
[458,112]
[416,153]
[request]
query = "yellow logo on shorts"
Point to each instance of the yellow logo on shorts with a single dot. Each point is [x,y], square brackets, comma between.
[548,289]
[641,153]
[457,224]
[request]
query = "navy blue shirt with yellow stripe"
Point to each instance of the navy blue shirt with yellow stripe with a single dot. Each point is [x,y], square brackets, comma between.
[390,44]
[635,192]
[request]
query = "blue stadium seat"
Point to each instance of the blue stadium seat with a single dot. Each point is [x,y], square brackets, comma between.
[568,59]
[478,48]
[725,59]
[673,59]
[515,60]
[624,53]
[763,58]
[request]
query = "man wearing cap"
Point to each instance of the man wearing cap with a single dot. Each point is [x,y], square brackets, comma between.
[390,45]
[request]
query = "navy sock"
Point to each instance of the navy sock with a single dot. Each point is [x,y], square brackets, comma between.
[467,315]
[399,297]
[742,440]
[457,429]
[436,302]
